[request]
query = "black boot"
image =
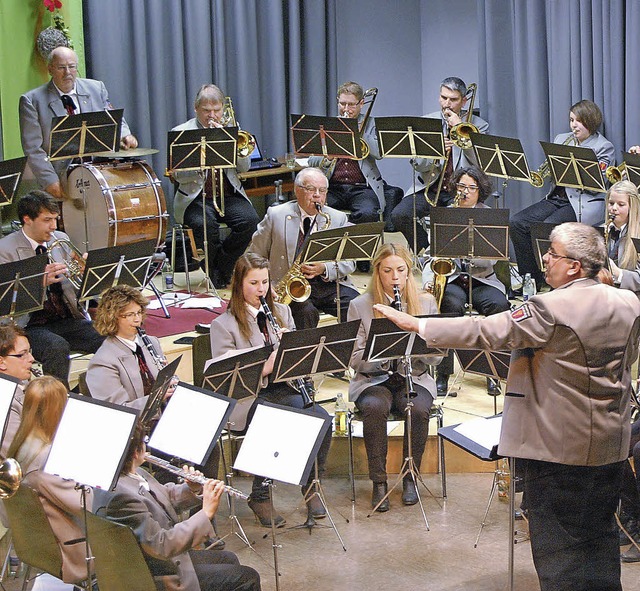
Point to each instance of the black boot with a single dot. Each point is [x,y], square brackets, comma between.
[314,505]
[442,383]
[409,492]
[379,491]
[493,387]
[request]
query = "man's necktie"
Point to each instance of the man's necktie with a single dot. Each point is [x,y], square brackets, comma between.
[302,235]
[145,373]
[69,105]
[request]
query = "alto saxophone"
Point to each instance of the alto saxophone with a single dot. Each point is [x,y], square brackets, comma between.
[294,286]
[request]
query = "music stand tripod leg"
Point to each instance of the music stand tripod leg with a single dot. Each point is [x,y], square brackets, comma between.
[494,486]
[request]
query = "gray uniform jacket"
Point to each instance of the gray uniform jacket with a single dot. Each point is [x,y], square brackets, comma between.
[114,374]
[373,373]
[13,422]
[276,239]
[569,382]
[152,515]
[16,247]
[429,170]
[38,107]
[368,165]
[191,182]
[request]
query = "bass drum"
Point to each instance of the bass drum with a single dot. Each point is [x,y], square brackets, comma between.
[125,204]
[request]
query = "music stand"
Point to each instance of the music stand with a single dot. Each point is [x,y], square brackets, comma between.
[331,137]
[158,391]
[105,430]
[22,287]
[540,241]
[11,172]
[77,136]
[631,167]
[502,157]
[281,444]
[574,167]
[8,388]
[490,364]
[385,342]
[356,243]
[206,150]
[411,137]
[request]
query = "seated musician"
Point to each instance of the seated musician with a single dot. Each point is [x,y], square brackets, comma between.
[471,187]
[564,204]
[244,326]
[281,235]
[15,362]
[239,213]
[64,94]
[62,325]
[357,185]
[380,387]
[123,370]
[452,100]
[151,510]
[44,401]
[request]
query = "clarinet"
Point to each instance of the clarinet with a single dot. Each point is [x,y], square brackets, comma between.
[397,300]
[158,358]
[299,383]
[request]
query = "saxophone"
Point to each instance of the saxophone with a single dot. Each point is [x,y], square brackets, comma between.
[294,286]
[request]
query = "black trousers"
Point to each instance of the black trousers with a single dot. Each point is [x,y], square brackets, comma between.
[53,342]
[242,220]
[574,538]
[553,210]
[220,570]
[285,395]
[375,403]
[322,299]
[360,200]
[630,495]
[487,300]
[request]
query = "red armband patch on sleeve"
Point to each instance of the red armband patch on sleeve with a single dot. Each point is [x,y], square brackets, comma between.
[521,313]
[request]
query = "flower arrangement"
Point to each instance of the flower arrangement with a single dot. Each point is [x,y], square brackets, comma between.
[54,36]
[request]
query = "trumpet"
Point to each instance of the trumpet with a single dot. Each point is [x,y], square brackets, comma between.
[246,142]
[72,258]
[615,174]
[302,386]
[158,357]
[536,177]
[197,478]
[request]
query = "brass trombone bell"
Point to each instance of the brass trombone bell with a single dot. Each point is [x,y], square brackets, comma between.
[615,174]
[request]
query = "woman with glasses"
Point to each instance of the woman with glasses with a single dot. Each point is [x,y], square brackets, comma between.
[486,293]
[123,369]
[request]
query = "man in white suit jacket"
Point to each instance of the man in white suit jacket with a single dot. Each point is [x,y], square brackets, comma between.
[40,105]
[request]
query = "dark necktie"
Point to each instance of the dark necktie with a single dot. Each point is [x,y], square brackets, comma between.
[145,372]
[69,105]
[302,235]
[614,237]
[262,325]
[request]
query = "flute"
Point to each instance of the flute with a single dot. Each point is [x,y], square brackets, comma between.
[197,478]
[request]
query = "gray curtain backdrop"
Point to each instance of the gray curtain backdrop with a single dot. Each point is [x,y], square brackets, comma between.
[273,57]
[538,57]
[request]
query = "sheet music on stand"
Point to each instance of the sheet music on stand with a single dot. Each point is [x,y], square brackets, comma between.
[470,233]
[492,364]
[351,243]
[574,167]
[631,167]
[479,437]
[501,156]
[11,172]
[410,137]
[127,264]
[76,136]
[331,137]
[238,376]
[158,391]
[22,287]
[540,232]
[201,149]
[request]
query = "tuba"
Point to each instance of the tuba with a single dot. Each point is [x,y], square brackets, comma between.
[72,257]
[294,286]
[246,142]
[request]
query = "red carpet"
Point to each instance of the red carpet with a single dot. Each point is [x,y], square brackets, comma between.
[182,320]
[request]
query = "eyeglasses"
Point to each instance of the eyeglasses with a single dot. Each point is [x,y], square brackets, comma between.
[130,315]
[20,355]
[348,105]
[70,68]
[464,188]
[309,189]
[555,255]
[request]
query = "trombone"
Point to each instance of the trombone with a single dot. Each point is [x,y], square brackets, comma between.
[246,142]
[615,174]
[536,177]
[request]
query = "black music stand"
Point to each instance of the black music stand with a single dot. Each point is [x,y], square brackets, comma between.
[502,157]
[22,287]
[540,232]
[11,172]
[158,391]
[470,233]
[631,167]
[411,137]
[77,136]
[574,167]
[206,150]
[347,243]
[490,364]
[281,444]
[331,137]
[386,341]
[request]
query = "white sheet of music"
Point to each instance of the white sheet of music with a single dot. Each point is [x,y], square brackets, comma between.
[483,431]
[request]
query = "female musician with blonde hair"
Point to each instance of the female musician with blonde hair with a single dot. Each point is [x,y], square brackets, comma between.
[44,401]
[243,327]
[380,387]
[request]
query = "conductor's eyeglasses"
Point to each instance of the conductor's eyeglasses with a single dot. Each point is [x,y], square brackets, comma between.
[555,255]
[466,188]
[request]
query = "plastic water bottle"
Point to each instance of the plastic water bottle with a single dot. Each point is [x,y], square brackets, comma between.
[167,277]
[528,287]
[340,418]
